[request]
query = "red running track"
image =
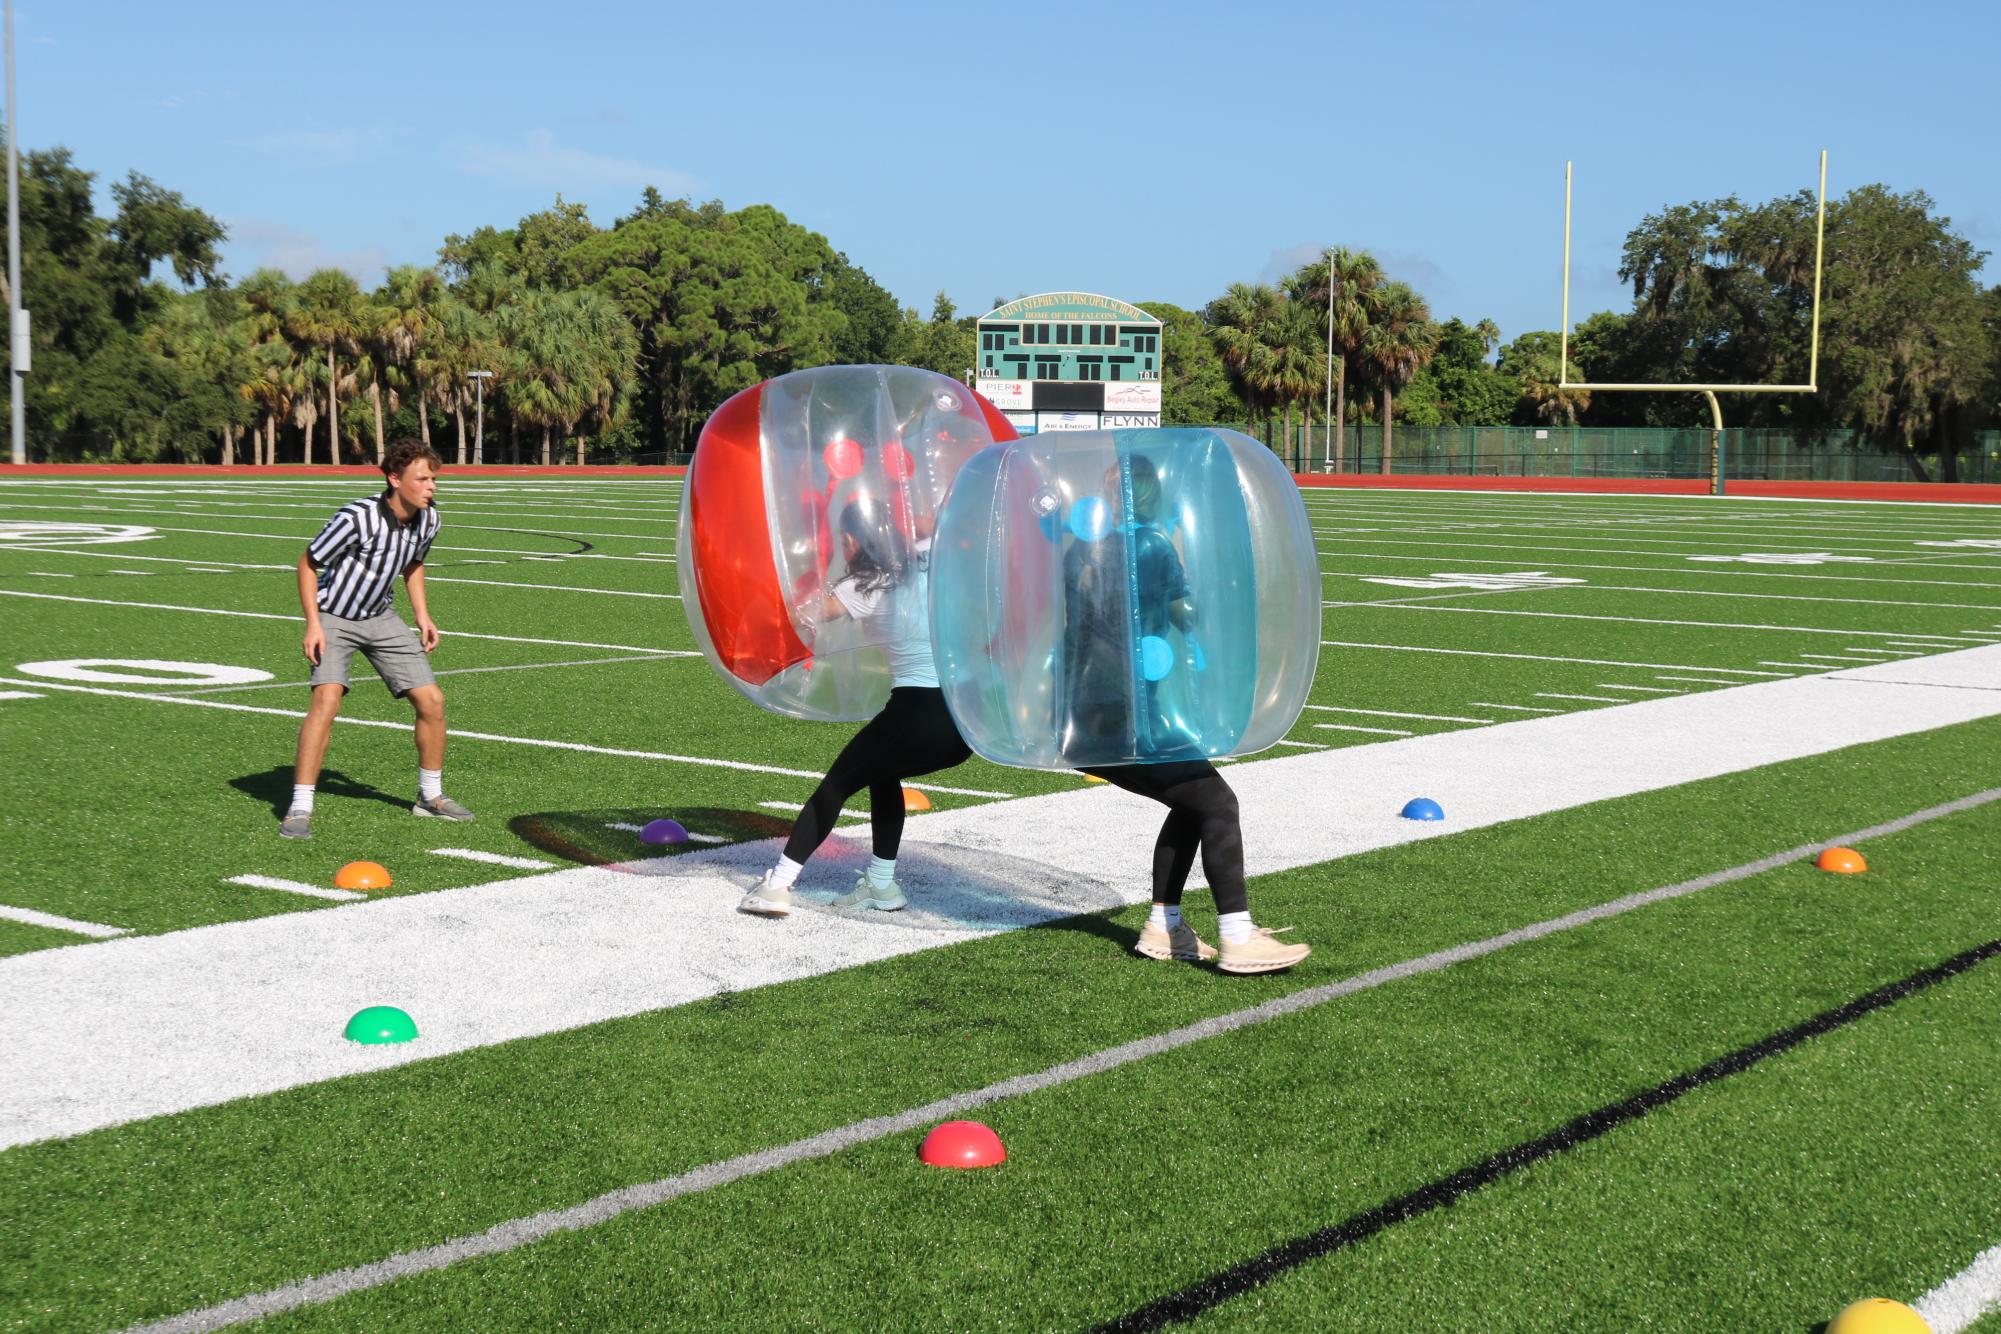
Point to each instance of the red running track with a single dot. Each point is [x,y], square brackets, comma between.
[1962,492]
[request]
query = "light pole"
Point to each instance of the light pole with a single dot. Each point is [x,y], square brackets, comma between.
[17,319]
[479,379]
[1332,425]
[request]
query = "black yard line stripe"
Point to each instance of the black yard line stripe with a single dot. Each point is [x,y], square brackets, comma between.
[1207,1294]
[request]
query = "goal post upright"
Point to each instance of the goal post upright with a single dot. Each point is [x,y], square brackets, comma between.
[1708,391]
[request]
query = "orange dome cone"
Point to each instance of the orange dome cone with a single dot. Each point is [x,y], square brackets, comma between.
[362,875]
[1841,861]
[915,801]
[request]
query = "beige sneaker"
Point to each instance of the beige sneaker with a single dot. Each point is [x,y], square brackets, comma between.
[1180,943]
[767,900]
[868,894]
[1262,953]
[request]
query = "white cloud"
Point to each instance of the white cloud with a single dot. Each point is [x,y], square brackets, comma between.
[262,244]
[539,160]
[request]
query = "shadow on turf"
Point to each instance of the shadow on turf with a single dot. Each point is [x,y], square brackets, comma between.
[274,787]
[588,839]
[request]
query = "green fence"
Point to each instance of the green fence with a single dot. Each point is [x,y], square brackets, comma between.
[1581,451]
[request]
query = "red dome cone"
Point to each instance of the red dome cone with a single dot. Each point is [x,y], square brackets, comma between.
[962,1144]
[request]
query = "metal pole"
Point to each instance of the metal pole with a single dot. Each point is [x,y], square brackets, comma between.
[1328,419]
[17,343]
[1715,444]
[479,420]
[1563,362]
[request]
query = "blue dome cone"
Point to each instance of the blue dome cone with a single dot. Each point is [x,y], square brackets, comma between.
[1423,808]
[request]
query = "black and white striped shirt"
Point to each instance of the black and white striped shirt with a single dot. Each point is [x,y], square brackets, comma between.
[362,550]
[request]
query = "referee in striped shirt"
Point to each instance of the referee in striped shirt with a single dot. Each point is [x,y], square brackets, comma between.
[347,588]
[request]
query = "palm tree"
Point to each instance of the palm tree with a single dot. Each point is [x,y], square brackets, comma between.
[463,340]
[407,301]
[1246,323]
[607,352]
[1400,341]
[269,297]
[332,314]
[1352,275]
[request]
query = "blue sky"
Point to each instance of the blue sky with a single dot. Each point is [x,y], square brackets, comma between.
[1149,152]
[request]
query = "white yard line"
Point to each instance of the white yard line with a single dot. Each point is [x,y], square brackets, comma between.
[460,734]
[1594,699]
[294,887]
[20,694]
[493,858]
[1806,666]
[490,963]
[31,917]
[797,806]
[1644,620]
[1391,713]
[1350,727]
[1539,657]
[1701,680]
[276,616]
[1651,690]
[1973,1292]
[1513,708]
[468,671]
[692,836]
[551,588]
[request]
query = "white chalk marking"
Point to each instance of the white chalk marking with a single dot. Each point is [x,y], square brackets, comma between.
[294,887]
[1807,666]
[48,574]
[1594,699]
[1350,727]
[50,920]
[20,694]
[1699,680]
[1392,713]
[144,671]
[1651,690]
[493,858]
[1513,708]
[1973,1292]
[1301,745]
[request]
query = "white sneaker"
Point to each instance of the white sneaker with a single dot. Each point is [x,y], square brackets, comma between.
[1180,942]
[767,900]
[868,894]
[1262,953]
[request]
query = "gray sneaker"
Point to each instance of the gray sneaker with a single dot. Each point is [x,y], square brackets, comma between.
[296,824]
[868,894]
[443,808]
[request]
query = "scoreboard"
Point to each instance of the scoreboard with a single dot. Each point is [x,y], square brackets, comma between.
[1071,361]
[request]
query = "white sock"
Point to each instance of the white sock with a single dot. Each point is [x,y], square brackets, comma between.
[1235,927]
[430,783]
[786,873]
[882,870]
[1164,917]
[302,797]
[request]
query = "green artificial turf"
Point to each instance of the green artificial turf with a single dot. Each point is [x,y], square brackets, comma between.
[213,1202]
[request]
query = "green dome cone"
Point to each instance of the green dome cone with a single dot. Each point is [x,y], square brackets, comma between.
[381,1023]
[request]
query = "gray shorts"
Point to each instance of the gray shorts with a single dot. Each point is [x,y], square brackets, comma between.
[390,646]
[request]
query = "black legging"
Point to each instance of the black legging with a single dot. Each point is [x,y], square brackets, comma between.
[1201,812]
[914,734]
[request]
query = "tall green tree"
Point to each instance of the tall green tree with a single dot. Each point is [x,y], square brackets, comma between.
[1351,275]
[1195,386]
[330,317]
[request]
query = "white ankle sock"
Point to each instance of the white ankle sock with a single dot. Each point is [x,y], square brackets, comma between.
[1164,917]
[1235,927]
[302,797]
[786,873]
[430,783]
[882,870]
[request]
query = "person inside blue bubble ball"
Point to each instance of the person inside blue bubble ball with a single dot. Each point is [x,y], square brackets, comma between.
[1098,683]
